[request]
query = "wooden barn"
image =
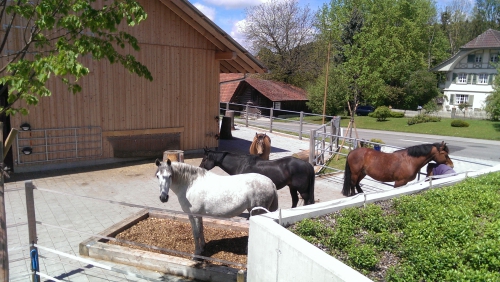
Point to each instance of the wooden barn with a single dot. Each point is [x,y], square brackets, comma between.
[119,114]
[241,89]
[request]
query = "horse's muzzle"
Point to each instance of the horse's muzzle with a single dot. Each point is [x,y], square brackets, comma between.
[163,197]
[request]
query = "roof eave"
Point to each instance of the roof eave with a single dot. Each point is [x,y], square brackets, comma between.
[244,62]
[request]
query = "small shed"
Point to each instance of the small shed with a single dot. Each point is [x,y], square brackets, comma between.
[240,89]
[119,114]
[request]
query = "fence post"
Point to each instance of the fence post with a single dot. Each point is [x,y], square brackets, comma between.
[312,139]
[300,124]
[271,120]
[246,116]
[4,255]
[30,207]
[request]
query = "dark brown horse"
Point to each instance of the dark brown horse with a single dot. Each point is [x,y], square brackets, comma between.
[261,146]
[400,166]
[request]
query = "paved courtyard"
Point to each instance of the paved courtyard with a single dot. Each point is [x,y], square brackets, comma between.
[126,181]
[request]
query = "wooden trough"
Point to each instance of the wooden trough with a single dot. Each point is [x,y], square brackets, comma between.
[99,249]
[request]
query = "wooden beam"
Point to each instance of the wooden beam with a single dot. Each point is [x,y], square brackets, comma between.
[9,140]
[143,131]
[230,67]
[194,24]
[220,55]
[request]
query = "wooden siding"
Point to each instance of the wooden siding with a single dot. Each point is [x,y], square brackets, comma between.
[183,97]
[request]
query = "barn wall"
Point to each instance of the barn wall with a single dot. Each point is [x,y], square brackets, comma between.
[119,111]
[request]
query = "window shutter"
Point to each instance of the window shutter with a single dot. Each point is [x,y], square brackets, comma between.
[454,80]
[474,78]
[452,99]
[471,58]
[469,78]
[471,100]
[490,79]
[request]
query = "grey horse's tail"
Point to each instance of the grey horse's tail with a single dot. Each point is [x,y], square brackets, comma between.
[346,190]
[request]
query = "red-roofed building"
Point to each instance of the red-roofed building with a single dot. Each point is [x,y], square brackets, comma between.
[238,89]
[470,72]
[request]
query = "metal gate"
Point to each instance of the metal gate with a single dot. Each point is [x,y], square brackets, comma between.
[45,145]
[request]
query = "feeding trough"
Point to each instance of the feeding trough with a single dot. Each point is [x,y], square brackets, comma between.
[99,248]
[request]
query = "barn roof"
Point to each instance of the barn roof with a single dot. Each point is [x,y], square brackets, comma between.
[277,91]
[273,90]
[233,57]
[228,84]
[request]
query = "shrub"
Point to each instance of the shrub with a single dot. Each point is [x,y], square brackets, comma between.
[381,113]
[422,119]
[459,123]
[397,114]
[370,145]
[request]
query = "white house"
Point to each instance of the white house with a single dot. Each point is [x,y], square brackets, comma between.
[470,72]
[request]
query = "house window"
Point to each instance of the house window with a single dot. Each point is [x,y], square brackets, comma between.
[482,78]
[494,58]
[462,78]
[459,99]
[478,58]
[277,105]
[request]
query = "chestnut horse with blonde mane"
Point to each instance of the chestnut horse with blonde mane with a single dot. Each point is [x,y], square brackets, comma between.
[261,146]
[400,166]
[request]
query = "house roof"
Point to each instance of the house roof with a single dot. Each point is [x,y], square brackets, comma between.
[233,57]
[277,91]
[487,39]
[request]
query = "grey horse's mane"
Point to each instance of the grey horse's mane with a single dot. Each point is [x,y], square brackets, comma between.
[186,172]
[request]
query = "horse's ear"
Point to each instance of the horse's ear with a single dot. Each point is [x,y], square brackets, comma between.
[169,162]
[157,162]
[256,134]
[205,149]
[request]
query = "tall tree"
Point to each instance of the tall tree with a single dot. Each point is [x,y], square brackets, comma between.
[456,23]
[45,38]
[281,33]
[486,15]
[392,46]
[492,103]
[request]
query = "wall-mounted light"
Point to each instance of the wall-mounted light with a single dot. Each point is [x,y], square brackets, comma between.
[27,150]
[25,126]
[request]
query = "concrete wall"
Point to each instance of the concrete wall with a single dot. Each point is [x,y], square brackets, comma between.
[276,254]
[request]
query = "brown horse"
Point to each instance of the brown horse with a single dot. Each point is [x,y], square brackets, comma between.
[400,166]
[261,146]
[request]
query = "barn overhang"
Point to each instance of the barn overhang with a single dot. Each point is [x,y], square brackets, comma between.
[233,57]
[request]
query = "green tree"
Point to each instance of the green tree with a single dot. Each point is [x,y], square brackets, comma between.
[492,102]
[46,38]
[381,50]
[282,33]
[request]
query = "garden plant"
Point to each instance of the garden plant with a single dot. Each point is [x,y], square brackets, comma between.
[443,234]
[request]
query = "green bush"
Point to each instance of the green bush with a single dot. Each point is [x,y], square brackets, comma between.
[448,234]
[397,114]
[459,123]
[422,118]
[381,113]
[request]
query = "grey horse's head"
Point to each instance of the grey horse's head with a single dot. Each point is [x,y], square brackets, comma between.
[164,175]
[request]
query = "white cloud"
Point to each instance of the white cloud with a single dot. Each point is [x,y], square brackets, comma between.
[207,11]
[237,34]
[235,4]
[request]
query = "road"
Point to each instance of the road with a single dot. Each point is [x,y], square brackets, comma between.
[459,147]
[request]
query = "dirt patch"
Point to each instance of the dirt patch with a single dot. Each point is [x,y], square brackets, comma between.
[225,244]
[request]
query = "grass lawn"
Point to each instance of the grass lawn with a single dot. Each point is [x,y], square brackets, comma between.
[479,129]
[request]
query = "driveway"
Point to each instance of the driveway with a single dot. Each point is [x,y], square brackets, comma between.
[67,219]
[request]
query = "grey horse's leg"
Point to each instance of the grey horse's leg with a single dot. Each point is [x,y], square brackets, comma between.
[199,238]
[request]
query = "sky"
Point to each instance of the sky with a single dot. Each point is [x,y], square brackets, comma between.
[229,15]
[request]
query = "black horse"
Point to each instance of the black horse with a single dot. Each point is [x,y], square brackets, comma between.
[296,173]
